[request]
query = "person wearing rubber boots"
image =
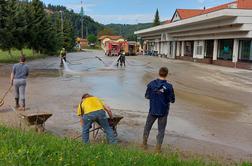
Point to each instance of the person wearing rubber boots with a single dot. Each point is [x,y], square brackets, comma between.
[19,74]
[160,94]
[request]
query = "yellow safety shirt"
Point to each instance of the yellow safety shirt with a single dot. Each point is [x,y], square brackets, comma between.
[90,104]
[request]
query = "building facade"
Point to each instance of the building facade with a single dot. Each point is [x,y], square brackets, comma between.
[221,35]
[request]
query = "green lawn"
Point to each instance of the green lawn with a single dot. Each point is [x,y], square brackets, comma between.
[6,58]
[28,148]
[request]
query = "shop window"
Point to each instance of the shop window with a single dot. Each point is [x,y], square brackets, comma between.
[245,52]
[226,49]
[189,48]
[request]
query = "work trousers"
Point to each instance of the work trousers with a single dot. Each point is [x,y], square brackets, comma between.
[19,85]
[101,118]
[162,122]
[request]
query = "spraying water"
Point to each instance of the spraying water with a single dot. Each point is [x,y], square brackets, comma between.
[70,71]
[113,63]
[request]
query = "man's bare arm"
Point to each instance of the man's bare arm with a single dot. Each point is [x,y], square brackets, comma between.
[108,110]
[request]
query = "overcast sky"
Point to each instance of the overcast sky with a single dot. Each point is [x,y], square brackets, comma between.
[132,11]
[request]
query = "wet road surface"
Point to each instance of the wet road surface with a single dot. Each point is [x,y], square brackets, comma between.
[212,114]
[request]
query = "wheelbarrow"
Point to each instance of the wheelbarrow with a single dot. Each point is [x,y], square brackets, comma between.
[95,129]
[36,120]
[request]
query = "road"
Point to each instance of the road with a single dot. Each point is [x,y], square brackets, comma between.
[212,114]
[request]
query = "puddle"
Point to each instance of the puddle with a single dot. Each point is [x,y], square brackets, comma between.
[45,73]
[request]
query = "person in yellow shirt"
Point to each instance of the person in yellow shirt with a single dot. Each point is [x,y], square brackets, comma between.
[92,109]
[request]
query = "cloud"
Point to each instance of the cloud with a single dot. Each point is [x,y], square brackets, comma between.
[124,19]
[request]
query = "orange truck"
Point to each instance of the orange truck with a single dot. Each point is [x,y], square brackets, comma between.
[114,48]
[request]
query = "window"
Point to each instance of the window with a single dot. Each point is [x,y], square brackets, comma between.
[245,52]
[226,49]
[189,48]
[199,50]
[163,37]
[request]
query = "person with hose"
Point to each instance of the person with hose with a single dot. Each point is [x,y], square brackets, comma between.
[62,56]
[19,74]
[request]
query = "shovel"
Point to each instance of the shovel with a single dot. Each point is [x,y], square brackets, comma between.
[5,94]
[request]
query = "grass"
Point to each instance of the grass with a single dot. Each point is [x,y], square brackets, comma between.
[6,58]
[29,148]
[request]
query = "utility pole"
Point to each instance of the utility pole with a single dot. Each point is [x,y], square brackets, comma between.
[82,15]
[62,23]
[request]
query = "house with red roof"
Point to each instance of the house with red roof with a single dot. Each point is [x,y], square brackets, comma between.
[220,35]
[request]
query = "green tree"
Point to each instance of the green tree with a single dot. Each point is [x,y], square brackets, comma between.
[156,19]
[10,26]
[68,35]
[105,31]
[3,21]
[43,35]
[92,38]
[21,23]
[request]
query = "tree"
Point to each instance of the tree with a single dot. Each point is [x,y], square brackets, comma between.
[105,31]
[156,19]
[92,38]
[68,35]
[3,21]
[42,33]
[9,29]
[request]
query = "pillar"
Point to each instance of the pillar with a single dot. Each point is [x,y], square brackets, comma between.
[183,48]
[178,49]
[215,51]
[235,50]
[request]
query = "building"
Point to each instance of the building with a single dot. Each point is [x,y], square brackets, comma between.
[107,38]
[220,35]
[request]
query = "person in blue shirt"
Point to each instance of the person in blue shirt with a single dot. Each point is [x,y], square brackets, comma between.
[19,75]
[160,94]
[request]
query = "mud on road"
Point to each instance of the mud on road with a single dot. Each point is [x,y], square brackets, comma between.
[212,114]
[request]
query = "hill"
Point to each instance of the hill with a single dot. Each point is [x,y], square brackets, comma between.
[127,30]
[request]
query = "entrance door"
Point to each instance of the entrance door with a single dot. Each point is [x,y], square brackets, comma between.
[189,46]
[209,48]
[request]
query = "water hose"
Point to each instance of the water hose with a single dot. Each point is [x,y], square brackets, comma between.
[5,94]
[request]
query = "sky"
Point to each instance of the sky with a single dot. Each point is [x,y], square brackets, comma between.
[133,11]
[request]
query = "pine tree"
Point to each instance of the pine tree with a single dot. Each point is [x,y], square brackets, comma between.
[156,19]
[68,35]
[21,23]
[39,27]
[9,30]
[3,20]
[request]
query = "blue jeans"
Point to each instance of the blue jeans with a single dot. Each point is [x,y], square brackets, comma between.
[101,118]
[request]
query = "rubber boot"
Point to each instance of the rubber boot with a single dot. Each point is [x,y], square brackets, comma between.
[145,145]
[158,148]
[22,108]
[17,103]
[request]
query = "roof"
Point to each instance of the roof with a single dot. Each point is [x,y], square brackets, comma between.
[111,37]
[245,4]
[188,13]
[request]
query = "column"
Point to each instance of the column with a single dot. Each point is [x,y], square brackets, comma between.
[235,50]
[215,51]
[178,49]
[173,50]
[183,48]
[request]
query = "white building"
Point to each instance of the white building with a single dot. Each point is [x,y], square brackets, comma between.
[220,35]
